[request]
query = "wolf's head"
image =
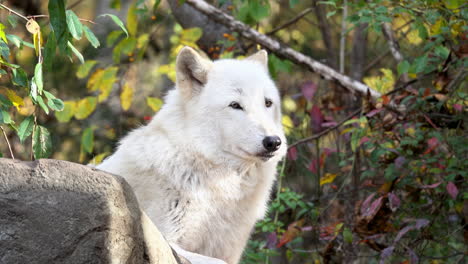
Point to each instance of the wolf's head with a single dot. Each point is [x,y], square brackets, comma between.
[231,107]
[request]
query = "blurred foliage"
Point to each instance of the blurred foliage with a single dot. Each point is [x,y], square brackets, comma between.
[371,181]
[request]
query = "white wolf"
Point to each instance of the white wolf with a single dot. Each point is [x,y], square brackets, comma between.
[202,169]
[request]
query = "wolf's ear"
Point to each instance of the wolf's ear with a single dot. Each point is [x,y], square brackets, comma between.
[260,56]
[191,72]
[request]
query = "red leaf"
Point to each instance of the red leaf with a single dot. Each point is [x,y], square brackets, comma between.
[432,143]
[316,119]
[292,153]
[394,201]
[458,107]
[272,239]
[385,99]
[294,229]
[374,207]
[363,140]
[366,203]
[313,166]
[432,186]
[452,190]
[329,124]
[308,90]
[374,112]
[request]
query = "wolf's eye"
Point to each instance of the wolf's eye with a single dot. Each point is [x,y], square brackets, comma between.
[236,105]
[268,102]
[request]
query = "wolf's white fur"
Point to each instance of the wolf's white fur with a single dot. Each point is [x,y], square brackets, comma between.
[195,167]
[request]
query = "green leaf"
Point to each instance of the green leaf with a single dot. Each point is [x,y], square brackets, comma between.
[49,51]
[74,25]
[17,41]
[132,20]
[126,46]
[259,10]
[42,143]
[331,13]
[67,113]
[5,101]
[33,90]
[117,21]
[293,3]
[403,67]
[91,37]
[154,103]
[87,140]
[76,52]
[26,128]
[6,119]
[115,4]
[38,78]
[41,103]
[85,68]
[12,20]
[420,64]
[58,20]
[112,37]
[347,235]
[20,78]
[53,102]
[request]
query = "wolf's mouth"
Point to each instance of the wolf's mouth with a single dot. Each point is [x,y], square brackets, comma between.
[265,155]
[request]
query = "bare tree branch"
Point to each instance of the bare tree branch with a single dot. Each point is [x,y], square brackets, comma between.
[358,55]
[8,143]
[394,47]
[281,49]
[326,131]
[324,26]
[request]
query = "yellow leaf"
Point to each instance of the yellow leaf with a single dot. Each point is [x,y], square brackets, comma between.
[37,42]
[68,111]
[288,124]
[189,36]
[132,20]
[98,159]
[102,80]
[14,98]
[382,84]
[327,178]
[93,79]
[169,71]
[155,103]
[436,28]
[289,105]
[85,107]
[126,96]
[27,108]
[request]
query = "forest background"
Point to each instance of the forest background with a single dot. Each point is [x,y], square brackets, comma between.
[374,108]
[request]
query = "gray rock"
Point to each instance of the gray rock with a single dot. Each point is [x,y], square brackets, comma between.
[59,212]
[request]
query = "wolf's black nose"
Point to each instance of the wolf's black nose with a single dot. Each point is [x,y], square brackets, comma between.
[271,143]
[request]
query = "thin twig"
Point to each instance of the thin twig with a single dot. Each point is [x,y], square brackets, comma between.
[74,4]
[291,21]
[81,19]
[8,143]
[14,12]
[318,135]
